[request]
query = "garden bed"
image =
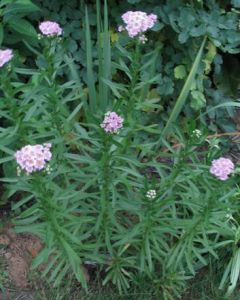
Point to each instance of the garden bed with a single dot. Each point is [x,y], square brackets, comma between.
[119,149]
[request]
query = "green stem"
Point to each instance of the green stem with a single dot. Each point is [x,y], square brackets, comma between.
[135,77]
[131,117]
[104,218]
[50,73]
[46,205]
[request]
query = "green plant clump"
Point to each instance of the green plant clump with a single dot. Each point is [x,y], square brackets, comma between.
[105,166]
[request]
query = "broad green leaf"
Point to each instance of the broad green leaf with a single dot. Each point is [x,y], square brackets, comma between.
[19,8]
[5,2]
[24,27]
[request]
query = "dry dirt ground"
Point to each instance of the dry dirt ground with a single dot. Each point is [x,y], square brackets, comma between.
[16,253]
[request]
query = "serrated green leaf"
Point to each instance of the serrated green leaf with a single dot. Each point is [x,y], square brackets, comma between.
[180,72]
[198,100]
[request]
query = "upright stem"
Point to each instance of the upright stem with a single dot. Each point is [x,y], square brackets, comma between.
[135,75]
[103,222]
[54,100]
[46,205]
[131,118]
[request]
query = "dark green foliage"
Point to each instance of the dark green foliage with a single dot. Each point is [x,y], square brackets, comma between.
[14,26]
[182,25]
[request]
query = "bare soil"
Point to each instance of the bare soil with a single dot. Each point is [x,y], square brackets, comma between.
[16,254]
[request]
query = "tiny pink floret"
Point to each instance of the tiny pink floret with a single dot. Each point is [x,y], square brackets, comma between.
[5,56]
[222,168]
[31,158]
[112,122]
[138,22]
[50,28]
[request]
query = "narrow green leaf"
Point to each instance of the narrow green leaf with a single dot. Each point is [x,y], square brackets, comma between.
[54,273]
[148,254]
[99,49]
[235,270]
[90,73]
[115,87]
[106,58]
[75,111]
[225,275]
[185,91]
[40,258]
[6,159]
[1,34]
[22,202]
[222,105]
[74,261]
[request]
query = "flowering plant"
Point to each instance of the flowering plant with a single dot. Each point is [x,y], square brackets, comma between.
[222,168]
[50,28]
[112,123]
[138,203]
[137,23]
[5,56]
[33,158]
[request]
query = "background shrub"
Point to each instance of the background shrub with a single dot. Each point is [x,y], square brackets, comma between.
[182,24]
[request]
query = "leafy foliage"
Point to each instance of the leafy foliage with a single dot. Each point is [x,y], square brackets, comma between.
[14,27]
[182,25]
[93,208]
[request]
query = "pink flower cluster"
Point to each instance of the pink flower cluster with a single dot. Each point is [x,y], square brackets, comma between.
[112,122]
[137,22]
[50,28]
[222,168]
[33,158]
[5,56]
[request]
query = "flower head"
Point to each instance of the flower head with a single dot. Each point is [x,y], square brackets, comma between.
[151,194]
[143,39]
[5,56]
[112,122]
[222,168]
[138,22]
[31,158]
[120,28]
[197,133]
[50,28]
